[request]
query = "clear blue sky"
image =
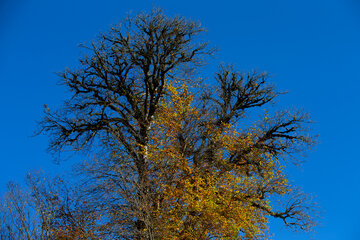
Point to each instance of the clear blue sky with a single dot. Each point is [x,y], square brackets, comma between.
[310,47]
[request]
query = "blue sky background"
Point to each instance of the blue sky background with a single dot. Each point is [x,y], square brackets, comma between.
[310,47]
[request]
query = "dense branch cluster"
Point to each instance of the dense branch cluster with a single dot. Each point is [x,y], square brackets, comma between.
[172,158]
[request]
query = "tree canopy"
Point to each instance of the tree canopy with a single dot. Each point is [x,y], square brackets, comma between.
[172,156]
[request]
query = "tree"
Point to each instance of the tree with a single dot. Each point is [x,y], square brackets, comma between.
[17,218]
[174,159]
[61,209]
[48,208]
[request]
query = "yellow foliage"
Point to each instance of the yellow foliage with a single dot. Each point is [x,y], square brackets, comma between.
[214,199]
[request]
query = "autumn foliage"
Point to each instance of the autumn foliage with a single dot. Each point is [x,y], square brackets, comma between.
[209,197]
[172,157]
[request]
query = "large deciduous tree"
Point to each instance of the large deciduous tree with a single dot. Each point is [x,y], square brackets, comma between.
[174,159]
